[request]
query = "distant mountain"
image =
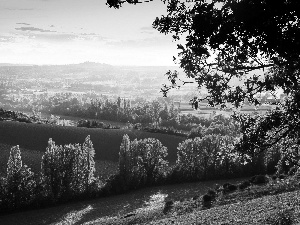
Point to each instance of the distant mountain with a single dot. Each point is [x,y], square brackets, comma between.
[11,64]
[97,65]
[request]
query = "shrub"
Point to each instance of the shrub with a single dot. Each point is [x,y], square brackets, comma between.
[197,132]
[228,187]
[207,198]
[293,170]
[232,187]
[282,217]
[281,176]
[115,184]
[284,165]
[259,179]
[195,197]
[244,185]
[212,193]
[168,206]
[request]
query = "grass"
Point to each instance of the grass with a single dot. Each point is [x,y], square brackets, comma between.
[259,204]
[256,211]
[32,159]
[106,142]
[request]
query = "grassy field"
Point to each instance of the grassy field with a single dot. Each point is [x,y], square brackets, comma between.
[32,159]
[258,204]
[106,141]
[206,111]
[274,203]
[108,207]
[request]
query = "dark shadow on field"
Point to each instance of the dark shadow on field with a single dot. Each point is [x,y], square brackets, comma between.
[118,205]
[106,141]
[33,158]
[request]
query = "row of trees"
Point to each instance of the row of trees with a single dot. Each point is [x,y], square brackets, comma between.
[97,107]
[67,172]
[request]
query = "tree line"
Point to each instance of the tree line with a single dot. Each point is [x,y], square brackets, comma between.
[68,171]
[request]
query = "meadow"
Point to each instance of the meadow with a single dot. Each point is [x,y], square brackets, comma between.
[106,141]
[150,203]
[206,111]
[32,158]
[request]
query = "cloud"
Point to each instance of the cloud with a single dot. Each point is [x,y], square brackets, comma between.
[146,42]
[27,24]
[64,37]
[34,29]
[6,39]
[47,35]
[148,28]
[21,9]
[54,37]
[147,32]
[87,34]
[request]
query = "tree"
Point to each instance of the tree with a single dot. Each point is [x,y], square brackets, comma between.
[89,163]
[68,170]
[20,185]
[125,158]
[141,161]
[237,49]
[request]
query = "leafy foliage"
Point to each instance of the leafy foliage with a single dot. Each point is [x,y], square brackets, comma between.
[18,187]
[201,158]
[255,42]
[221,127]
[142,161]
[68,170]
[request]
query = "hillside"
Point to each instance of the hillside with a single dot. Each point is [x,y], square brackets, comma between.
[257,211]
[240,207]
[106,141]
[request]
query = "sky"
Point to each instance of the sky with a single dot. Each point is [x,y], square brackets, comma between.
[75,31]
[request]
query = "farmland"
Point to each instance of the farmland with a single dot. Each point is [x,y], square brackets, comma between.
[106,142]
[32,158]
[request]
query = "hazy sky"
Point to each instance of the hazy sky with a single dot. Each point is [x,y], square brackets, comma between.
[74,31]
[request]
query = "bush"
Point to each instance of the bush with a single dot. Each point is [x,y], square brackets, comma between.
[228,187]
[293,170]
[259,179]
[282,217]
[207,198]
[116,184]
[212,193]
[281,176]
[168,206]
[244,185]
[232,187]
